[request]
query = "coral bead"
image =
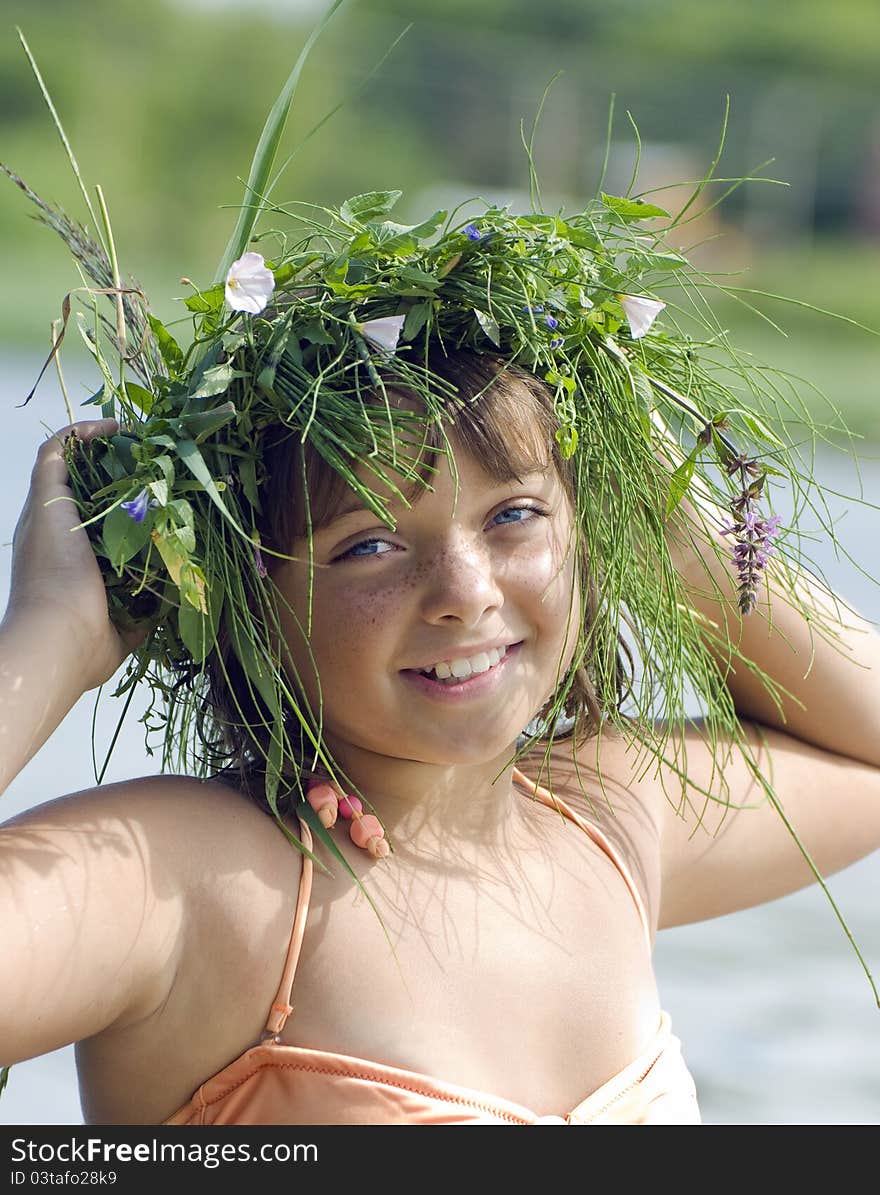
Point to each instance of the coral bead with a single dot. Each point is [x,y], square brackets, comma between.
[350,806]
[322,798]
[378,847]
[367,833]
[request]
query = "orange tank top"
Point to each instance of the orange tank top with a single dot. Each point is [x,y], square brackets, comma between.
[277,1084]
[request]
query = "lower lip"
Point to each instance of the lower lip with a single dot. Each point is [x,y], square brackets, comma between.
[474,686]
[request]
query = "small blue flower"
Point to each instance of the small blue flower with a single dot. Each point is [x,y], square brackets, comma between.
[473,233]
[534,310]
[551,321]
[137,508]
[556,342]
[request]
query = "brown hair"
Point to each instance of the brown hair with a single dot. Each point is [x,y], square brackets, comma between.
[507,423]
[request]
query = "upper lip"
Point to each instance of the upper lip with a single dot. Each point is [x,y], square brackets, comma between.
[465,653]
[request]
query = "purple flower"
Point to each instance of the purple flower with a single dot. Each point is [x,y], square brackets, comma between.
[262,571]
[535,310]
[137,508]
[551,321]
[556,342]
[751,519]
[752,549]
[473,233]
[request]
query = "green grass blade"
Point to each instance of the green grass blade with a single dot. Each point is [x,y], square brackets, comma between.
[74,165]
[264,157]
[346,99]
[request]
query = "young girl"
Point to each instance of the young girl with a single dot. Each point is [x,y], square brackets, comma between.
[509,979]
[418,545]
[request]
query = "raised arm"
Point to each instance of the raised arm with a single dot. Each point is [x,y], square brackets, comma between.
[829,687]
[819,746]
[83,938]
[56,639]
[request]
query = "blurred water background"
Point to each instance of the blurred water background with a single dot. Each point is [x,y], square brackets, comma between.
[163,103]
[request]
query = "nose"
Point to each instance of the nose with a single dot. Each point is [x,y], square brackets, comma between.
[460,581]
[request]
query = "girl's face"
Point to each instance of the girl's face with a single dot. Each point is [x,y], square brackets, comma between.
[500,573]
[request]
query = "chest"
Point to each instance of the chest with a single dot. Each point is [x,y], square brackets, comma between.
[528,976]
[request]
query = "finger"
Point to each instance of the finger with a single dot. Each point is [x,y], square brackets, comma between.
[50,469]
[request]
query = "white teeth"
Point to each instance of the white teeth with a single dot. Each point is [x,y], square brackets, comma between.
[461,667]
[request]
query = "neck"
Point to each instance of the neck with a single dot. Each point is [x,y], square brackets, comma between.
[426,805]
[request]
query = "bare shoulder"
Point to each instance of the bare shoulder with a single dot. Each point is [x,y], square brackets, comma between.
[710,828]
[166,824]
[169,843]
[599,779]
[104,892]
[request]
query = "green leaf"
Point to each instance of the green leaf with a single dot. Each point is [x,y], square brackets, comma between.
[567,438]
[418,279]
[201,424]
[489,326]
[632,209]
[663,261]
[162,439]
[188,452]
[123,538]
[96,400]
[361,208]
[756,426]
[314,332]
[198,629]
[401,239]
[680,480]
[159,490]
[427,228]
[416,318]
[537,220]
[247,473]
[172,354]
[122,449]
[644,391]
[215,380]
[337,271]
[182,540]
[166,464]
[181,513]
[206,301]
[139,397]
[582,239]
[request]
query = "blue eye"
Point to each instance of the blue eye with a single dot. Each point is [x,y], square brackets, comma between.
[531,509]
[364,543]
[354,552]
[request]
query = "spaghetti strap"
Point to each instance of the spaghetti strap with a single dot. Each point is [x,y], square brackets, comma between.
[553,802]
[281,1006]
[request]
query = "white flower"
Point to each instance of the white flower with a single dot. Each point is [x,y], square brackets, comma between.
[249,284]
[383,333]
[640,312]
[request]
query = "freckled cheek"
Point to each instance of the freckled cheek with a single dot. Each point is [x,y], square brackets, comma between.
[554,601]
[353,634]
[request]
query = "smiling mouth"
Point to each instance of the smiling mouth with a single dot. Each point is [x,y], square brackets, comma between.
[473,682]
[444,670]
